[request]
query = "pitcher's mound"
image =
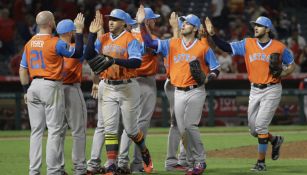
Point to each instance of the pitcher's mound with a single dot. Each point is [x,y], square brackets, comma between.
[287,151]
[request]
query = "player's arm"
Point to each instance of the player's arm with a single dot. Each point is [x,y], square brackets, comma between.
[101,31]
[63,48]
[24,76]
[213,63]
[23,73]
[148,41]
[225,46]
[134,60]
[92,47]
[288,61]
[79,23]
[95,79]
[161,46]
[173,21]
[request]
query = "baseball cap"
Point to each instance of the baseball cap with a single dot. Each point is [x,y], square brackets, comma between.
[129,20]
[264,21]
[65,26]
[192,19]
[149,14]
[119,14]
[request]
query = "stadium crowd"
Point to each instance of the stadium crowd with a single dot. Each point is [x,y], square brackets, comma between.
[231,18]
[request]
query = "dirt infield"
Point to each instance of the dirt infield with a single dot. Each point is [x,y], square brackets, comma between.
[288,151]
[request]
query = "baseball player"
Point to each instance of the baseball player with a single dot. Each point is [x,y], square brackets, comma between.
[75,108]
[94,163]
[172,162]
[148,93]
[120,89]
[43,59]
[189,59]
[266,89]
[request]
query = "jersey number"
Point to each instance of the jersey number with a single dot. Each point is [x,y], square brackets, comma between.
[37,61]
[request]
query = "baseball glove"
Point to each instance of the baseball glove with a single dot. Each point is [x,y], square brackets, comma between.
[275,65]
[196,72]
[100,63]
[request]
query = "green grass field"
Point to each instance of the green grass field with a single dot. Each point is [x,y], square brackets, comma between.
[14,147]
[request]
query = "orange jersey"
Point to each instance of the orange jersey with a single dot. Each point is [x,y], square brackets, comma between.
[72,70]
[179,57]
[149,64]
[167,59]
[257,58]
[124,46]
[41,57]
[204,41]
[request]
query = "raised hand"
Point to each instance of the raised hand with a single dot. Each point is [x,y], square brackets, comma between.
[202,31]
[173,20]
[79,23]
[209,27]
[140,15]
[95,25]
[99,16]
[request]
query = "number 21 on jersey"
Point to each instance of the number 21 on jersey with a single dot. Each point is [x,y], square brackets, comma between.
[37,60]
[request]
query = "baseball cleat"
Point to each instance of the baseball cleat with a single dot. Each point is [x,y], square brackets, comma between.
[147,163]
[100,170]
[259,166]
[110,173]
[111,170]
[189,171]
[123,170]
[276,144]
[138,171]
[148,167]
[198,169]
[177,167]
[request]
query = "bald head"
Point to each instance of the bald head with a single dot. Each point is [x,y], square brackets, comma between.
[45,19]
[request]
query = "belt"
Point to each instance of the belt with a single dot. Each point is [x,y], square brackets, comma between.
[37,77]
[117,82]
[146,75]
[188,88]
[262,86]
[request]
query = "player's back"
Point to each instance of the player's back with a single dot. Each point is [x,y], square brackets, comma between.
[42,58]
[72,69]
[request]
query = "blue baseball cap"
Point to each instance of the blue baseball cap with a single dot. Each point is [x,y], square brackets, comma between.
[119,14]
[65,26]
[129,20]
[192,19]
[149,14]
[264,21]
